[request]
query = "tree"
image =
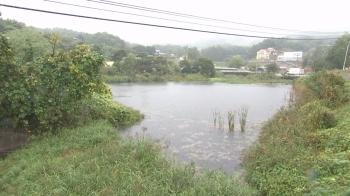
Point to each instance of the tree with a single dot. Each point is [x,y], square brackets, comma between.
[19,39]
[207,67]
[55,41]
[97,49]
[29,53]
[68,43]
[118,55]
[335,56]
[185,66]
[128,64]
[40,95]
[9,25]
[150,50]
[317,59]
[193,53]
[305,61]
[142,55]
[80,37]
[220,53]
[184,63]
[105,39]
[236,61]
[272,68]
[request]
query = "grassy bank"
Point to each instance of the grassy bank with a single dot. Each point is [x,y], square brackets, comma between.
[305,149]
[234,79]
[153,78]
[94,160]
[251,79]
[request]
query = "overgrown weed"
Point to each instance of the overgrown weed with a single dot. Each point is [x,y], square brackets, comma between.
[94,159]
[303,149]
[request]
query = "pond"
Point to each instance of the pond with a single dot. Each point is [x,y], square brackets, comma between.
[181,114]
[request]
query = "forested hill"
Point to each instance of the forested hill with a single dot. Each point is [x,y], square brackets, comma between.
[106,43]
[19,33]
[111,45]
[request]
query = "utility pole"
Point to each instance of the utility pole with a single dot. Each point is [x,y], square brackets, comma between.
[346,54]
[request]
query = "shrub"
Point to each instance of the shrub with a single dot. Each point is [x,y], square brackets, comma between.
[318,116]
[329,87]
[301,94]
[40,95]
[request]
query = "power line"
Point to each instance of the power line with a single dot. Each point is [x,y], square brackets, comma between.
[106,10]
[195,17]
[153,25]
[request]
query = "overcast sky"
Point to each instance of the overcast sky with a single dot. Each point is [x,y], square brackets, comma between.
[302,15]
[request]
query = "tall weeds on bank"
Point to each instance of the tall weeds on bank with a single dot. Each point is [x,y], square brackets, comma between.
[304,149]
[95,160]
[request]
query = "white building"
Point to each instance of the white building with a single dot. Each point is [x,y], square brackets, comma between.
[290,56]
[109,63]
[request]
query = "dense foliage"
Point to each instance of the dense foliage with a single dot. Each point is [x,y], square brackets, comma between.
[224,52]
[39,95]
[304,149]
[26,39]
[236,61]
[9,25]
[336,55]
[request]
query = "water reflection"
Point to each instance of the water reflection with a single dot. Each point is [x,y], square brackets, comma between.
[182,113]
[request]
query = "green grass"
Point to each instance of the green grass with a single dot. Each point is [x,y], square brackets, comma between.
[250,79]
[95,160]
[302,150]
[234,79]
[154,78]
[100,107]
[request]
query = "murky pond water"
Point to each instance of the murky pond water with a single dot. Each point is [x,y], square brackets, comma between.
[182,114]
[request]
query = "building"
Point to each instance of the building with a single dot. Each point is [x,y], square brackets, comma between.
[109,63]
[158,53]
[290,56]
[264,54]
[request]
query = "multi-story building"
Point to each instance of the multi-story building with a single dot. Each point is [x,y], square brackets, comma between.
[264,54]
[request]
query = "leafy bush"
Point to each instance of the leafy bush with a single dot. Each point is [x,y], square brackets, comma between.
[318,116]
[303,150]
[328,87]
[301,94]
[40,95]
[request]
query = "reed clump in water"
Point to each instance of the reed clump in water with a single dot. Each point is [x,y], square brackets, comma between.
[243,117]
[221,122]
[231,115]
[216,114]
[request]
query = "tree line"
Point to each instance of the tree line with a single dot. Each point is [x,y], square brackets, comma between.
[318,54]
